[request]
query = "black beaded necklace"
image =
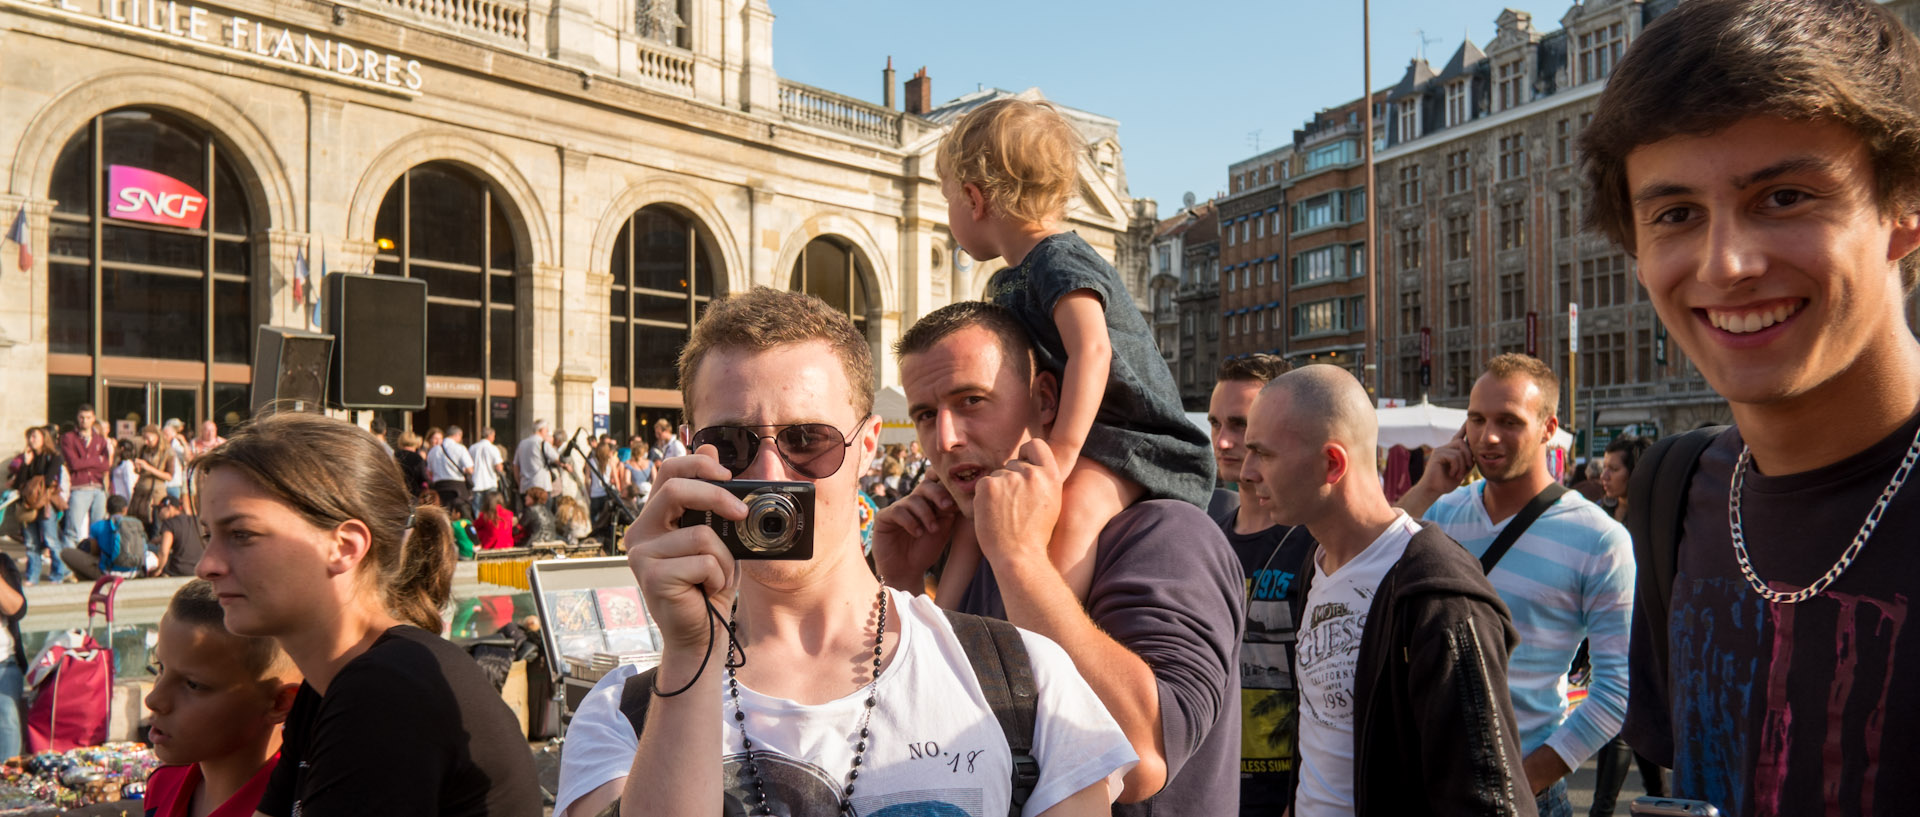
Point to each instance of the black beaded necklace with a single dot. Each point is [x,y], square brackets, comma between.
[750,768]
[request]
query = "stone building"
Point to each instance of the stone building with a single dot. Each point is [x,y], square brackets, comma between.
[574,181]
[1482,247]
[1198,301]
[1253,251]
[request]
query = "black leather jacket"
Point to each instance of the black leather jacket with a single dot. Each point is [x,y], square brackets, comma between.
[1435,731]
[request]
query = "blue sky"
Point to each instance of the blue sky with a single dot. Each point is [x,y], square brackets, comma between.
[1189,82]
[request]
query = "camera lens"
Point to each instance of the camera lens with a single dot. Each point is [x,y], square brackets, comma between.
[769,525]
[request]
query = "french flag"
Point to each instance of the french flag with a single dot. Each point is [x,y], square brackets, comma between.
[18,235]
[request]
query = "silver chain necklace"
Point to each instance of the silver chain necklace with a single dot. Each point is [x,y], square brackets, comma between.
[1846,558]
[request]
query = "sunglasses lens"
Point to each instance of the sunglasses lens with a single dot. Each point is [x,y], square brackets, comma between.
[735,446]
[816,450]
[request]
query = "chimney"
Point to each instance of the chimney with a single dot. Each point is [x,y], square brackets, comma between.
[920,93]
[886,78]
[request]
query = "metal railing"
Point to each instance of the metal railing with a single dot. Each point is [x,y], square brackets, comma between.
[493,18]
[831,111]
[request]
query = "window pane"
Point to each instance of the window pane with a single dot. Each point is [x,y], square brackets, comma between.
[136,245]
[826,272]
[387,225]
[387,268]
[72,187]
[502,286]
[229,199]
[500,234]
[445,223]
[505,348]
[655,350]
[70,239]
[617,302]
[236,258]
[155,142]
[232,323]
[230,407]
[65,393]
[453,340]
[149,315]
[617,338]
[659,308]
[446,283]
[660,254]
[70,309]
[619,266]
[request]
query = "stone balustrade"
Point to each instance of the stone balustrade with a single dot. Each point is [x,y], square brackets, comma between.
[828,110]
[506,19]
[665,66]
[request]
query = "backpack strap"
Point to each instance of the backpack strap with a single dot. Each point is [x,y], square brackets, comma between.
[1000,663]
[1005,672]
[1519,524]
[1656,519]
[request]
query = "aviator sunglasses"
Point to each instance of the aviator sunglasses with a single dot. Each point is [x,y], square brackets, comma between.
[812,450]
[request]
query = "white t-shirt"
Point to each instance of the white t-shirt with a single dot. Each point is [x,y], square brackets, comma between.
[1329,648]
[934,740]
[486,456]
[449,461]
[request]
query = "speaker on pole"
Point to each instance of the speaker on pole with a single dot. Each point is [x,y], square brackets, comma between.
[379,325]
[289,370]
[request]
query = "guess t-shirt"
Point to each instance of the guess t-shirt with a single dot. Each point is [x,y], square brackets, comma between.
[1337,605]
[1808,708]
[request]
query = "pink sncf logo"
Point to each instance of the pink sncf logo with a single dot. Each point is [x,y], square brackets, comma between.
[135,194]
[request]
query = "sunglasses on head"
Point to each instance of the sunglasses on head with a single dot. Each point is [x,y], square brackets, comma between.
[812,450]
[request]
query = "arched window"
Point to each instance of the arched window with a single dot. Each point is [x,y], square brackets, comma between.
[832,271]
[445,225]
[663,279]
[149,266]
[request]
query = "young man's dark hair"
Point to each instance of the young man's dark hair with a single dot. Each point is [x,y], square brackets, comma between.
[1761,160]
[1850,62]
[1258,368]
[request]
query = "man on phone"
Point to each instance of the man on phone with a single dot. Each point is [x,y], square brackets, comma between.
[778,385]
[1761,160]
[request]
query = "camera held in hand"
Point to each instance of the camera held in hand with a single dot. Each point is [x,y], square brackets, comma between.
[779,523]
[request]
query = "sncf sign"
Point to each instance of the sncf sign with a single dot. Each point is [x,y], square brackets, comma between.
[143,195]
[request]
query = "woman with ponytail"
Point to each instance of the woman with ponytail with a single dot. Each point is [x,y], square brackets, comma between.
[315,541]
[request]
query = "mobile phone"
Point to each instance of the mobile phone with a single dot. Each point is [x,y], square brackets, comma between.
[1672,807]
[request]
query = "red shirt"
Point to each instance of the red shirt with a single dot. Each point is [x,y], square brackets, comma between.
[170,791]
[494,534]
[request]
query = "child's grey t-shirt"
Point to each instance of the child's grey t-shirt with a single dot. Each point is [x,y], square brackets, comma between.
[1141,431]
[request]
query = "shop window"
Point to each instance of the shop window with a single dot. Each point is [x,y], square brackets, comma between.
[444,225]
[150,235]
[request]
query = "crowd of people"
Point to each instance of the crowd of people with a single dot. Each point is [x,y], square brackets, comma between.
[1076,605]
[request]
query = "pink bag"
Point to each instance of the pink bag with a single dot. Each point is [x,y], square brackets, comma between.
[70,700]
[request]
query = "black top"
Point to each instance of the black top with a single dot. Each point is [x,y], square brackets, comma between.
[1270,730]
[412,727]
[187,545]
[1166,587]
[414,468]
[1801,708]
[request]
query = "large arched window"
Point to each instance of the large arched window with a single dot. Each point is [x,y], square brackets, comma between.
[663,279]
[832,271]
[149,266]
[443,224]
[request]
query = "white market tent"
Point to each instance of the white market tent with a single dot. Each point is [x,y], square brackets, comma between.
[895,425]
[1428,424]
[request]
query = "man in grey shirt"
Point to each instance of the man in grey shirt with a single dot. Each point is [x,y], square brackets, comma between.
[535,459]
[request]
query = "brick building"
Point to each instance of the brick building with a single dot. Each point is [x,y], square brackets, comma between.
[1198,301]
[1325,290]
[1253,246]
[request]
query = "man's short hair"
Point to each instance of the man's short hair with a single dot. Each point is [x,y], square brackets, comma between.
[1254,368]
[83,409]
[539,426]
[1710,63]
[453,431]
[935,326]
[1514,364]
[763,318]
[116,504]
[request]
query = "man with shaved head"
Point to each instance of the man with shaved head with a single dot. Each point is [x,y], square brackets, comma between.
[1403,645]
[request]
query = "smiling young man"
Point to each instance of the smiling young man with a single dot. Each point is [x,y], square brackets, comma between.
[1761,158]
[1566,573]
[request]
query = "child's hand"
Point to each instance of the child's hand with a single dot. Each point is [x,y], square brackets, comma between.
[909,535]
[1015,508]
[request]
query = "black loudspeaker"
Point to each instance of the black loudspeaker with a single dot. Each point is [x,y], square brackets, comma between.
[379,325]
[290,370]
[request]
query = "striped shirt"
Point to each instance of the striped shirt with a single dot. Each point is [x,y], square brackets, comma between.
[1569,577]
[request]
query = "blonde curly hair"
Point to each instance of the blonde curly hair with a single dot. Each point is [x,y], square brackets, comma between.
[1023,156]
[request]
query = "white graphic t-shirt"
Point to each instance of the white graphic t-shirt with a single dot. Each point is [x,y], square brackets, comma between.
[935,749]
[1328,648]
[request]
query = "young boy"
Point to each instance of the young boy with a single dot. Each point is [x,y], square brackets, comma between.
[218,701]
[1007,170]
[99,553]
[1761,159]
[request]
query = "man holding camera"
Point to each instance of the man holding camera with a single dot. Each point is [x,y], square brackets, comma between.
[847,697]
[1159,635]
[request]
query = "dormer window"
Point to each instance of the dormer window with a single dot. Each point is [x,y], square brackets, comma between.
[1510,84]
[1456,103]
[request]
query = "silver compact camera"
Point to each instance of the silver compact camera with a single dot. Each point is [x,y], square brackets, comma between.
[779,523]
